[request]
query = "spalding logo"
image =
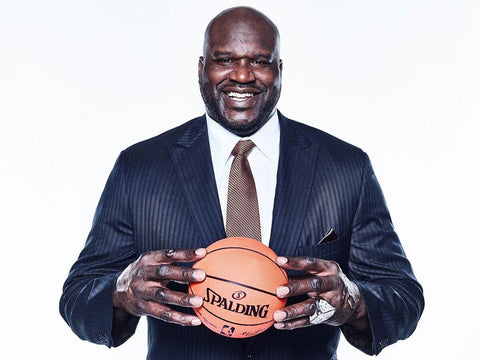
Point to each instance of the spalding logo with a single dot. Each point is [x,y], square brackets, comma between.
[239,295]
[245,309]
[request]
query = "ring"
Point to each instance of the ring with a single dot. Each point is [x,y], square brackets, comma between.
[323,312]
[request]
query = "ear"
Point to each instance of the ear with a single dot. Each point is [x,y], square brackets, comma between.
[280,65]
[200,66]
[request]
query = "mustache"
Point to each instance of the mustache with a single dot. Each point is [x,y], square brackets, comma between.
[230,86]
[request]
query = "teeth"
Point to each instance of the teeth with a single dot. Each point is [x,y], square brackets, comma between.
[239,96]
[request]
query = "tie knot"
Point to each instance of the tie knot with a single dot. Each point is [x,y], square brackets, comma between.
[243,147]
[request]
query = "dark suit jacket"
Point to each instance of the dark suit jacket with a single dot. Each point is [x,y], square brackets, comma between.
[162,194]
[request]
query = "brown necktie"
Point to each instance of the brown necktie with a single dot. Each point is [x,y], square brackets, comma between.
[243,218]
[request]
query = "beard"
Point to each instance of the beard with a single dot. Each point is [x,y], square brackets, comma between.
[240,128]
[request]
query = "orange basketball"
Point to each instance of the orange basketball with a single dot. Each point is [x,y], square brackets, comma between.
[239,289]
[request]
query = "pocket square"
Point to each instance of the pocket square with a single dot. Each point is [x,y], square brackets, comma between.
[329,236]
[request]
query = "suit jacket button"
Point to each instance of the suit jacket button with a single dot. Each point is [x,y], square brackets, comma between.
[249,355]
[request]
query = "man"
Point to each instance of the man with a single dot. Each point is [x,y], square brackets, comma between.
[320,207]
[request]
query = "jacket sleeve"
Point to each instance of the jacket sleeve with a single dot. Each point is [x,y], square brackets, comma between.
[87,300]
[380,268]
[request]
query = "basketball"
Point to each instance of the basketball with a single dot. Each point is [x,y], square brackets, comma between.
[239,289]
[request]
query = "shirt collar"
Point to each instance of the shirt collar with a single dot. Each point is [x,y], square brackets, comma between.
[223,141]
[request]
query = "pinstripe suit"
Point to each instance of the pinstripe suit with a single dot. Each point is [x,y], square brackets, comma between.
[162,194]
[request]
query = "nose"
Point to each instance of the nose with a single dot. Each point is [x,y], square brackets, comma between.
[242,72]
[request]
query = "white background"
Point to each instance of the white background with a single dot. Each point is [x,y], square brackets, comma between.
[81,80]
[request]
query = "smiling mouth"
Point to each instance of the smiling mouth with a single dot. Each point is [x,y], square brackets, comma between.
[239,96]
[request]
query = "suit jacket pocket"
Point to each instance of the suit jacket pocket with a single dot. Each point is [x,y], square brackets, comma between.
[333,250]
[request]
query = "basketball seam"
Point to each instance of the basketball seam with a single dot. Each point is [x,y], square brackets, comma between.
[231,322]
[255,251]
[237,283]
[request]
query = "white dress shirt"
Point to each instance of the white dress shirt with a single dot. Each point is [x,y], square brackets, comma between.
[263,161]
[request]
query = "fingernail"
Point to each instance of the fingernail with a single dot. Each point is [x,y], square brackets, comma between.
[196,322]
[282,291]
[282,260]
[196,301]
[199,275]
[279,315]
[279,325]
[201,251]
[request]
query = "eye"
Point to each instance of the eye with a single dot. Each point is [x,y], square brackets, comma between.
[260,62]
[225,61]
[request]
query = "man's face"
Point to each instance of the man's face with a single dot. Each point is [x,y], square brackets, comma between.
[240,75]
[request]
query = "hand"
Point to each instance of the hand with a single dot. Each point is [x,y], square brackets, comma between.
[323,279]
[141,289]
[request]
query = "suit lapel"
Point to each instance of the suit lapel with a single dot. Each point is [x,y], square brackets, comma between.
[193,165]
[296,170]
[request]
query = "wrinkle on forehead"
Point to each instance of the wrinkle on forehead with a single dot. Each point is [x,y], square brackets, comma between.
[245,42]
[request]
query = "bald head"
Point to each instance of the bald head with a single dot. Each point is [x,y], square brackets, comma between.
[242,19]
[240,71]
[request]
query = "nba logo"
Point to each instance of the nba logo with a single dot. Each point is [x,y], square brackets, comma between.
[227,330]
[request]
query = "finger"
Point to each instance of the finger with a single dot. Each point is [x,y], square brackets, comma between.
[308,264]
[309,284]
[166,296]
[295,311]
[170,272]
[293,324]
[165,313]
[174,255]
